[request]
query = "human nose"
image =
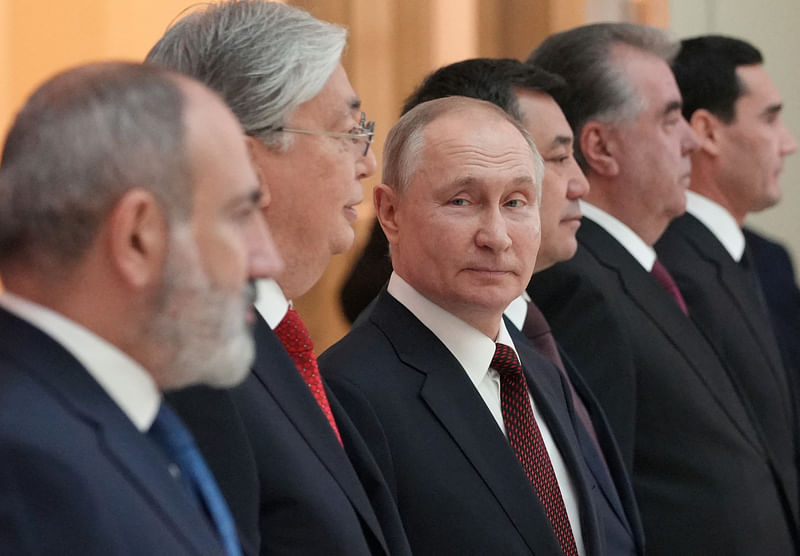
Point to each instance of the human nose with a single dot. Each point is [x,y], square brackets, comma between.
[578,185]
[493,230]
[788,143]
[367,164]
[263,258]
[689,142]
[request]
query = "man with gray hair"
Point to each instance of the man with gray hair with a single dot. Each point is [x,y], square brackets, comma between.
[279,69]
[129,229]
[479,449]
[704,481]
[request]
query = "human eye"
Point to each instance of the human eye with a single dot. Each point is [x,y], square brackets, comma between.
[459,202]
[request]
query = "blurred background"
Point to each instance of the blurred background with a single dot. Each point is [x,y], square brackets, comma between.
[393,44]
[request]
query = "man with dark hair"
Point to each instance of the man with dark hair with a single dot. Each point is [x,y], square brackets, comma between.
[129,229]
[525,92]
[279,69]
[704,480]
[735,110]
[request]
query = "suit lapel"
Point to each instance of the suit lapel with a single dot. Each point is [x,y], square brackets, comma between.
[458,407]
[665,314]
[277,373]
[132,452]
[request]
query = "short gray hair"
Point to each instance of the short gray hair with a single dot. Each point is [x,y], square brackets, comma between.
[596,88]
[82,140]
[264,58]
[405,143]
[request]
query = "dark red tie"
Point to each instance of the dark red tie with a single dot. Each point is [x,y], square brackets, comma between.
[537,330]
[660,273]
[294,336]
[525,437]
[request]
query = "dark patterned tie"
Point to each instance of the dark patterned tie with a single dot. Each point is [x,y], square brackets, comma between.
[660,273]
[525,437]
[294,336]
[537,330]
[178,445]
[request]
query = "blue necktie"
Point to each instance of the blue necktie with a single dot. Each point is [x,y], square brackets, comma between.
[170,433]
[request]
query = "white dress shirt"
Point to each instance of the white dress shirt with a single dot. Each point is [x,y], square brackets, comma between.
[719,221]
[271,304]
[123,379]
[474,351]
[629,239]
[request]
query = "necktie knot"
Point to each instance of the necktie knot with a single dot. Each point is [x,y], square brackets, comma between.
[293,334]
[505,360]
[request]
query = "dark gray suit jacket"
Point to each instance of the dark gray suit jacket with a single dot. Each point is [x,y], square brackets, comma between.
[458,484]
[702,476]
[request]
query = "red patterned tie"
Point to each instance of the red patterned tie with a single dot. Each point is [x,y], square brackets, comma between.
[660,273]
[525,437]
[294,336]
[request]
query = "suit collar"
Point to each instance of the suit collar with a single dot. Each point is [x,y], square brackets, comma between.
[625,237]
[275,371]
[718,221]
[453,400]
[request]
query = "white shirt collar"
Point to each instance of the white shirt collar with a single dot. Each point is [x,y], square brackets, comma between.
[517,310]
[719,221]
[271,303]
[473,349]
[123,379]
[638,249]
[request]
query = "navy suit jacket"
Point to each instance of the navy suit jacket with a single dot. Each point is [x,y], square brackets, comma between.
[779,286]
[315,497]
[458,484]
[76,476]
[702,476]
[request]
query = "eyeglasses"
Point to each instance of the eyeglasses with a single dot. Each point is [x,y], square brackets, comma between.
[364,131]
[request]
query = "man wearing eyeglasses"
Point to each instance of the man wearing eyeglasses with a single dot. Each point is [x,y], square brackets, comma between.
[279,69]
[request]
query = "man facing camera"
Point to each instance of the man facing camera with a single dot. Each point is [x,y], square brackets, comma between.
[129,229]
[473,430]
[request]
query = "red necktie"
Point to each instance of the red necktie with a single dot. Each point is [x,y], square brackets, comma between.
[294,336]
[537,330]
[660,273]
[525,437]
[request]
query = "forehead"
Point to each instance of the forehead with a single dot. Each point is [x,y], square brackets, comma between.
[544,119]
[649,76]
[757,85]
[216,147]
[473,141]
[334,104]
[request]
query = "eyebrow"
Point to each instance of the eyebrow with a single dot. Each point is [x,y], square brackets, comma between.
[252,197]
[562,140]
[773,109]
[672,106]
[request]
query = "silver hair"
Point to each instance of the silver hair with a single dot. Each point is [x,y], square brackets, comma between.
[405,144]
[597,89]
[264,58]
[82,140]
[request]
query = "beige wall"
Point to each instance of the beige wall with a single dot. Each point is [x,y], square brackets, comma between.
[772,27]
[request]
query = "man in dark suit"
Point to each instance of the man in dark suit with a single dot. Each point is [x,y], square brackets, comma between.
[703,480]
[279,70]
[421,374]
[126,200]
[525,92]
[734,108]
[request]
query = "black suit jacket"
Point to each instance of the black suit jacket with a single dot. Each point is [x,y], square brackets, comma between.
[458,484]
[76,476]
[725,303]
[701,474]
[313,498]
[779,286]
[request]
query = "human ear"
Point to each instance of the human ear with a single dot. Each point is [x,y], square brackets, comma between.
[598,148]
